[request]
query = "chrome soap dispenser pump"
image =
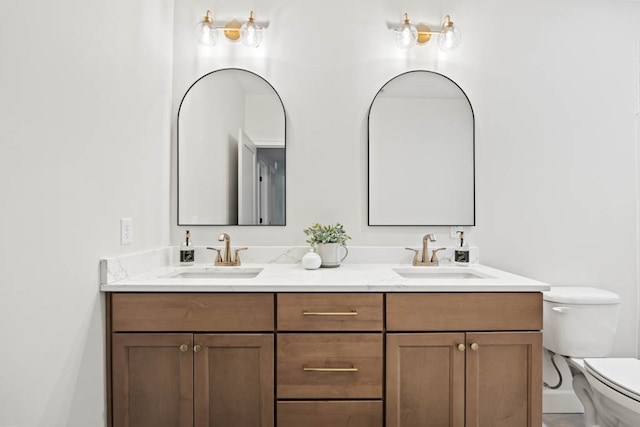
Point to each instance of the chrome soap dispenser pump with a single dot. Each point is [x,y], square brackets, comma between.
[461,252]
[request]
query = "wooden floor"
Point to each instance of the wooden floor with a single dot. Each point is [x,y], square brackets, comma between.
[563,420]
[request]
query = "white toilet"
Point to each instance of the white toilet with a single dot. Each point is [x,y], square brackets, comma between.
[580,324]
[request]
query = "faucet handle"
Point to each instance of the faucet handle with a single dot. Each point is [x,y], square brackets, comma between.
[218,256]
[415,256]
[236,257]
[434,256]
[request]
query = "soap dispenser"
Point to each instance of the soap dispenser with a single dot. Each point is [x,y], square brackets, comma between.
[461,252]
[187,252]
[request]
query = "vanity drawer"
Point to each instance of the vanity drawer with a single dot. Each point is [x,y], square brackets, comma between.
[330,413]
[331,366]
[330,312]
[499,311]
[206,312]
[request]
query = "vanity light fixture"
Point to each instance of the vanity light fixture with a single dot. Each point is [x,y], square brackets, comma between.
[249,33]
[408,35]
[206,33]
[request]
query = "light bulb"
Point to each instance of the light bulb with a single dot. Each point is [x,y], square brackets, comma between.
[450,35]
[206,32]
[251,33]
[406,35]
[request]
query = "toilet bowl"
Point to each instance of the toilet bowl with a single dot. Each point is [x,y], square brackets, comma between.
[580,324]
[616,386]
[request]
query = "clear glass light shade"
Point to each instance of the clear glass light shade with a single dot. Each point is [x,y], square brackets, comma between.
[206,33]
[406,36]
[449,38]
[251,33]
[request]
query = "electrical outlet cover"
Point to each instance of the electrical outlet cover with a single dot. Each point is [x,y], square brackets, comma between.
[126,231]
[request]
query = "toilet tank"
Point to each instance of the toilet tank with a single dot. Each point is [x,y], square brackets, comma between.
[579,321]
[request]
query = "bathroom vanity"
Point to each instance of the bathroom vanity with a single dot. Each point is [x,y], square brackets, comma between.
[360,345]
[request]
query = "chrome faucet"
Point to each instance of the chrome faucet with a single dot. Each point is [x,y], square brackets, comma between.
[424,260]
[224,259]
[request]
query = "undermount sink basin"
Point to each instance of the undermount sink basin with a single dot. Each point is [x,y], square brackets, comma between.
[439,273]
[215,273]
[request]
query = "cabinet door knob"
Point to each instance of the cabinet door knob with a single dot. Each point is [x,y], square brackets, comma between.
[461,347]
[474,346]
[184,347]
[197,348]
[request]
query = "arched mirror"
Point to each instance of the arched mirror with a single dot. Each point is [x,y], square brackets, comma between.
[421,152]
[231,151]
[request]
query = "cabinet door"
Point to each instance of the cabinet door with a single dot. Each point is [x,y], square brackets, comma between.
[152,378]
[425,380]
[504,379]
[234,383]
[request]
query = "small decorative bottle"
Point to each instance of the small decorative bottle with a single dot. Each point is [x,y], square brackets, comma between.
[311,260]
[187,252]
[461,253]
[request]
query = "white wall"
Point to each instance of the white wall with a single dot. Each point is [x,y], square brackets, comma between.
[85,117]
[553,87]
[85,113]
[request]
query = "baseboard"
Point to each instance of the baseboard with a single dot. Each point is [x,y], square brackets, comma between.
[560,402]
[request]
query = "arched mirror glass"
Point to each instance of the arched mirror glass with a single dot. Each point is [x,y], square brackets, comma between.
[421,152]
[231,151]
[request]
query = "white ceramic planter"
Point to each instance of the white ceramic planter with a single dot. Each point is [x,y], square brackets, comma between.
[331,254]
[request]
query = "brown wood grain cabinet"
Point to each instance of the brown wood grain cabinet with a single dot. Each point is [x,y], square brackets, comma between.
[461,372]
[327,413]
[330,366]
[325,359]
[330,346]
[425,380]
[504,379]
[152,380]
[222,378]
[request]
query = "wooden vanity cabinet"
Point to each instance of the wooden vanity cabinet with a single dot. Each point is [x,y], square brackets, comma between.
[325,359]
[330,360]
[467,359]
[182,360]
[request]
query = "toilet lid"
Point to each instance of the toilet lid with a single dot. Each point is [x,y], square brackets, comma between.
[580,295]
[623,375]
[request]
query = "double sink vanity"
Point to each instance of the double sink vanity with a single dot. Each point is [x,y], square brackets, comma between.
[360,345]
[369,344]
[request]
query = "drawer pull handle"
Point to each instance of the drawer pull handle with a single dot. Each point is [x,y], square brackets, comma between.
[197,348]
[461,347]
[184,347]
[328,313]
[310,369]
[474,346]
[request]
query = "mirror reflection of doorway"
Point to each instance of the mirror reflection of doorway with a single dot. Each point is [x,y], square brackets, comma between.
[261,182]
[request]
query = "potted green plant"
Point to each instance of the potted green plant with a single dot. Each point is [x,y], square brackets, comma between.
[328,241]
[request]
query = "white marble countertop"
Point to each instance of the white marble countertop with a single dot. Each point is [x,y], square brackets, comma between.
[346,278]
